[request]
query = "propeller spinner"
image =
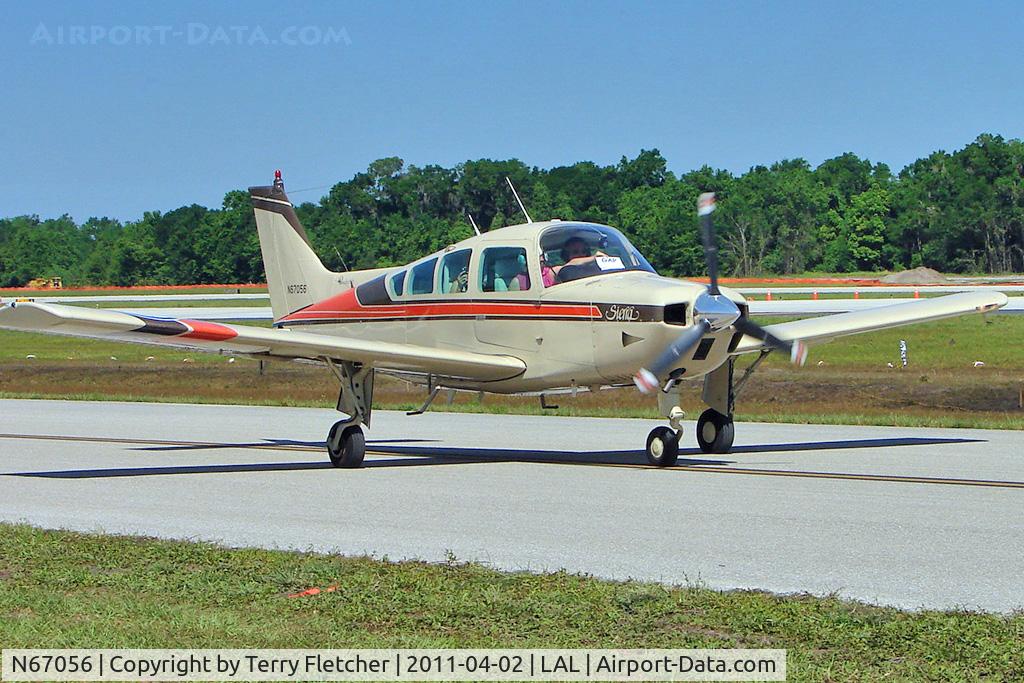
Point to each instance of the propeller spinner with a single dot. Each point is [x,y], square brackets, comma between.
[712,311]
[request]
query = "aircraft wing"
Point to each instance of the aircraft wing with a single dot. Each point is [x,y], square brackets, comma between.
[255,341]
[827,327]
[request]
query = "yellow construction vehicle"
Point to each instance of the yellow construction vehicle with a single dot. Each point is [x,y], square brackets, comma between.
[46,283]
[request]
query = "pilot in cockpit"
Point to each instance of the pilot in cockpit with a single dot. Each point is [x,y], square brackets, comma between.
[575,254]
[574,251]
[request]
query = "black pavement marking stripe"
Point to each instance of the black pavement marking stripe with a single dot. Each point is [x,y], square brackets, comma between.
[426,457]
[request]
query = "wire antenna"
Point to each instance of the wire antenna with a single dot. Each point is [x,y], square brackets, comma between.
[473,223]
[523,208]
[343,264]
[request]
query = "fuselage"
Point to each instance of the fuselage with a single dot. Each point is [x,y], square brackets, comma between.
[500,293]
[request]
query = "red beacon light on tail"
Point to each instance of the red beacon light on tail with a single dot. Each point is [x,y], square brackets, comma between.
[278,182]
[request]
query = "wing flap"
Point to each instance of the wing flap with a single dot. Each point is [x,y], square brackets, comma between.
[245,339]
[827,327]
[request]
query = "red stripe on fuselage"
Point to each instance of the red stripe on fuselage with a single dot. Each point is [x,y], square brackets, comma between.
[208,331]
[346,305]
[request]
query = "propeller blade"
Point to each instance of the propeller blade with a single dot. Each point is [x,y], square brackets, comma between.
[646,380]
[797,349]
[705,207]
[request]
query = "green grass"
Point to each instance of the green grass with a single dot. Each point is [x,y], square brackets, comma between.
[68,590]
[895,419]
[946,344]
[951,344]
[197,398]
[48,347]
[942,356]
[18,345]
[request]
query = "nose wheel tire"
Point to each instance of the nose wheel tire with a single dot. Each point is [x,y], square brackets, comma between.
[662,447]
[715,432]
[346,446]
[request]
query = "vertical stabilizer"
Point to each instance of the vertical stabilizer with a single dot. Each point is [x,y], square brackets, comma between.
[296,277]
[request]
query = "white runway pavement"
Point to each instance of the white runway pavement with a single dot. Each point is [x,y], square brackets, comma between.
[908,517]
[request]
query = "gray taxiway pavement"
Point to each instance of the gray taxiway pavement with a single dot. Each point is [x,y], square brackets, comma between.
[908,517]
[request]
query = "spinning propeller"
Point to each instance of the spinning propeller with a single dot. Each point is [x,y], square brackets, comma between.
[711,312]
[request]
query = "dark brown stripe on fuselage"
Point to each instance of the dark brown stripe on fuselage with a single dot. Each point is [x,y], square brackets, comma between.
[631,313]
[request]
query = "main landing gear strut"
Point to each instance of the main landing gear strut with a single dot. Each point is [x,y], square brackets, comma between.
[715,430]
[346,444]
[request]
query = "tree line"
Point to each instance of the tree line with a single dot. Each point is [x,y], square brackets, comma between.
[960,212]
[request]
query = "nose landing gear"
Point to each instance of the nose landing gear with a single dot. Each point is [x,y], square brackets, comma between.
[663,442]
[715,429]
[662,447]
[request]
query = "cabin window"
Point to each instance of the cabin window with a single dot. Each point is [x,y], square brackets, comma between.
[423,278]
[455,272]
[398,283]
[504,270]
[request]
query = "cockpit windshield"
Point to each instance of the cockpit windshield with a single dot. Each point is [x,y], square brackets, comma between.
[571,251]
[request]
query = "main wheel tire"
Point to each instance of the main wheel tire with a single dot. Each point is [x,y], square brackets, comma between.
[662,447]
[348,448]
[715,432]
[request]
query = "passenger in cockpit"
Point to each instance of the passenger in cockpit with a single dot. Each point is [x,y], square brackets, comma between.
[511,274]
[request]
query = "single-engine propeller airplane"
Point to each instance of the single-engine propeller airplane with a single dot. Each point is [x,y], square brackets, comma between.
[538,308]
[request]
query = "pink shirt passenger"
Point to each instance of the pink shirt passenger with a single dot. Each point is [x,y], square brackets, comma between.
[547,275]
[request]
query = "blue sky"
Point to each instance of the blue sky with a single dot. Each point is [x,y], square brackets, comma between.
[114,126]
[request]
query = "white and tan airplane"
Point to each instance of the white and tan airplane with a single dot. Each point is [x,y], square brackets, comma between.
[539,308]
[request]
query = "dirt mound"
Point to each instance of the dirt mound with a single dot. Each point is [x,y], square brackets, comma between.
[915,276]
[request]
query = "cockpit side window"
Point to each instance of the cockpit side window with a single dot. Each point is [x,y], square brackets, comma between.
[504,269]
[398,283]
[455,272]
[423,277]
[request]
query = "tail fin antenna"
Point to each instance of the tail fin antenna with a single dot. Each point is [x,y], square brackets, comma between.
[296,277]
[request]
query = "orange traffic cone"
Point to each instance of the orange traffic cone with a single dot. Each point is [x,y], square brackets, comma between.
[769,297]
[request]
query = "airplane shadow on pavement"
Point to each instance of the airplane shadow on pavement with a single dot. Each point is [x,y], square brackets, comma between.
[421,455]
